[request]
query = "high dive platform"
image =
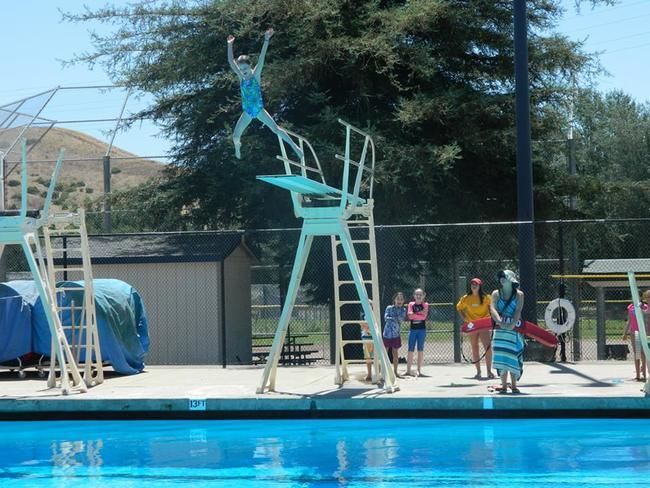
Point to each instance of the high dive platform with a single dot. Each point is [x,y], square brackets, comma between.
[345,214]
[75,348]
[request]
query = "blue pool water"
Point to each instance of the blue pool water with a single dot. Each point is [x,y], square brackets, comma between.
[355,453]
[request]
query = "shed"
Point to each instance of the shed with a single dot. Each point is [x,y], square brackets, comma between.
[195,286]
[618,268]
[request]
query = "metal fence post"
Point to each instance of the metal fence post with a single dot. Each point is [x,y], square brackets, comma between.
[576,291]
[332,334]
[107,194]
[600,323]
[458,284]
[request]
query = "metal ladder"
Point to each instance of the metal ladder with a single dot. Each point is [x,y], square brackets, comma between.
[76,303]
[347,303]
[70,379]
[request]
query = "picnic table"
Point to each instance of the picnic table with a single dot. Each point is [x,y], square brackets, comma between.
[295,351]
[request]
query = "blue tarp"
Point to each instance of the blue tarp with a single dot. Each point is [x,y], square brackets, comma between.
[15,324]
[121,321]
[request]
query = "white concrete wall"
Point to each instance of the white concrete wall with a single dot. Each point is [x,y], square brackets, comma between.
[182,304]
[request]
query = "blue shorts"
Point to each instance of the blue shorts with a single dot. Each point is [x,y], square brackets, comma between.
[416,336]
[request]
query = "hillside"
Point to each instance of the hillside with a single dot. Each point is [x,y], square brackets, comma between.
[79,181]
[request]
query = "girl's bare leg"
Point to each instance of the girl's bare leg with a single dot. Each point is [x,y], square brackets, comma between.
[395,359]
[420,361]
[409,362]
[473,340]
[268,121]
[369,350]
[484,335]
[504,380]
[242,124]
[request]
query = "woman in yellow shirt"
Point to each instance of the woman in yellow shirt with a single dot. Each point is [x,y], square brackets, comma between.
[476,305]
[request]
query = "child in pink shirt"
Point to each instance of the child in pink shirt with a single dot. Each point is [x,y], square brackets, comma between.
[632,331]
[417,313]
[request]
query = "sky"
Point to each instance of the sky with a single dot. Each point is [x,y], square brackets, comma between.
[621,36]
[36,41]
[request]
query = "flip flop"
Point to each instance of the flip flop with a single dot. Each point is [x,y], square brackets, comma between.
[498,389]
[516,390]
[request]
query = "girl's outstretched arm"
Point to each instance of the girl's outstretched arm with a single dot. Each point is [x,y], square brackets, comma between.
[260,62]
[493,310]
[231,58]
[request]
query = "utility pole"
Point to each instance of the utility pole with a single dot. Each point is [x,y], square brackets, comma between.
[525,206]
[574,263]
[108,217]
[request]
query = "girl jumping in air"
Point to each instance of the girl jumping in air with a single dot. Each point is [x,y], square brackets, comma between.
[251,95]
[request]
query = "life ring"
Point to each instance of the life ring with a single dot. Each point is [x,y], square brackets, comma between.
[569,313]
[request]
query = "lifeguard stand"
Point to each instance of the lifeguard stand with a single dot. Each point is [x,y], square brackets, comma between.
[640,319]
[344,214]
[23,228]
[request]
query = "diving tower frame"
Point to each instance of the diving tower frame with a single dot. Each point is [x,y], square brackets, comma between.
[332,212]
[23,229]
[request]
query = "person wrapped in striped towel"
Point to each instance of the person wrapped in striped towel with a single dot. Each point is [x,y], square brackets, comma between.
[507,344]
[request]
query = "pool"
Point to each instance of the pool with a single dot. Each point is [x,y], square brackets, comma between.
[355,453]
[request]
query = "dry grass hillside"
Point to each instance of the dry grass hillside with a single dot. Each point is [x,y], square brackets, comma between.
[79,181]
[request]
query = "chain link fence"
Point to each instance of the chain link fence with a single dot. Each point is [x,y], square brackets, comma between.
[441,259]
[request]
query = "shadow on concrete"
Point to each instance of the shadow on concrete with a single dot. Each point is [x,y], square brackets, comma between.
[565,369]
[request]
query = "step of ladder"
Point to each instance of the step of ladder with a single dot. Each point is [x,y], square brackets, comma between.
[359,241]
[350,302]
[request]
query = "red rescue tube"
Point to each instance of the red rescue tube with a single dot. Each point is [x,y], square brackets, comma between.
[528,329]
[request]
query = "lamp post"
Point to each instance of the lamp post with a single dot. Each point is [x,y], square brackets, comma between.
[525,206]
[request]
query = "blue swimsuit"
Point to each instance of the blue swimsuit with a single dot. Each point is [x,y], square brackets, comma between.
[507,312]
[251,96]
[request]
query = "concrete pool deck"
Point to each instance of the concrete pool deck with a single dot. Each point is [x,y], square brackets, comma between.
[585,389]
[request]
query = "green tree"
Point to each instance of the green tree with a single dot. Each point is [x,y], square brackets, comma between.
[431,79]
[611,147]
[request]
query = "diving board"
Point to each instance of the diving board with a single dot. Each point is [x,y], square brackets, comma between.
[305,186]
